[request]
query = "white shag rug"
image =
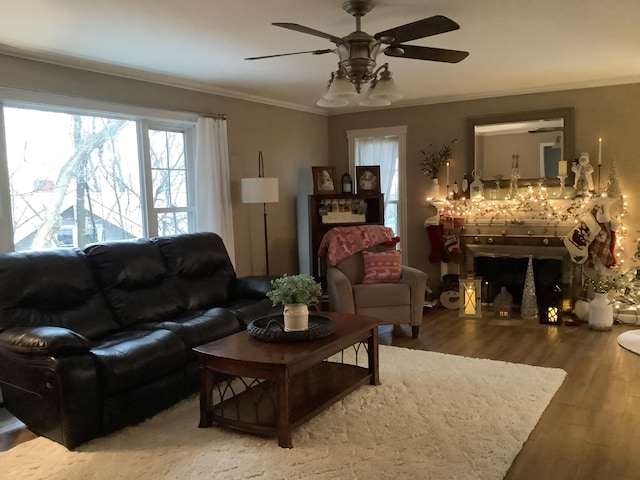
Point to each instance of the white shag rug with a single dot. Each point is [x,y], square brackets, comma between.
[630,340]
[434,416]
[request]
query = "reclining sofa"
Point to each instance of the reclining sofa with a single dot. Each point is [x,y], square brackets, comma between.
[96,339]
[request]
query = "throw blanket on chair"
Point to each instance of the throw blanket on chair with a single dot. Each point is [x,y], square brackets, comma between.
[341,242]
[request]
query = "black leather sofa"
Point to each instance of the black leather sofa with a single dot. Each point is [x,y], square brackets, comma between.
[96,339]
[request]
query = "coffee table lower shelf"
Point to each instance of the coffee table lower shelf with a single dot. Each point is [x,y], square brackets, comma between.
[255,410]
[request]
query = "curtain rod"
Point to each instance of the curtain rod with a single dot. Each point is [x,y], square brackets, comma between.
[215,116]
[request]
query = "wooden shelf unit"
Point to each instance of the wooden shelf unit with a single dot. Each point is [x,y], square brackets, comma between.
[374,216]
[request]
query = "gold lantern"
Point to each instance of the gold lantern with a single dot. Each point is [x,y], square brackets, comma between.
[470,297]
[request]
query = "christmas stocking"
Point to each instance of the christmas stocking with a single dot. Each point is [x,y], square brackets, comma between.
[453,247]
[601,248]
[436,239]
[613,225]
[582,235]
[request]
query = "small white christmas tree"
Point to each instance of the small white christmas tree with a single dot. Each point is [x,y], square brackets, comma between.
[613,187]
[529,307]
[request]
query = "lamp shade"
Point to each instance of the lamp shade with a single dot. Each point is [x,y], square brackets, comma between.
[386,88]
[260,190]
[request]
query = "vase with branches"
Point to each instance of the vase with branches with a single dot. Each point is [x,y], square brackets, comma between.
[432,160]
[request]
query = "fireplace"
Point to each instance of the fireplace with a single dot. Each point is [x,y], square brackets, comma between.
[510,272]
[500,263]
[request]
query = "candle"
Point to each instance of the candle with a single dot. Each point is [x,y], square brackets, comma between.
[600,151]
[447,174]
[562,168]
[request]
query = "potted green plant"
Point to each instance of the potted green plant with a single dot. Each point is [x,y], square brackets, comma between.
[295,292]
[431,163]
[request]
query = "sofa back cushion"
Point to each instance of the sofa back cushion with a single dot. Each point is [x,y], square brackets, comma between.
[135,281]
[202,267]
[52,288]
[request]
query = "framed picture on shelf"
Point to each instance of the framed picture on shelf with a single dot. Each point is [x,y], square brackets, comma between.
[324,180]
[368,178]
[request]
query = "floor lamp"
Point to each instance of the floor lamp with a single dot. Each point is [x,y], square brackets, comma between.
[261,190]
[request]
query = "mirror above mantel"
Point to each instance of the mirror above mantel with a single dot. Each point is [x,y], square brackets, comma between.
[540,139]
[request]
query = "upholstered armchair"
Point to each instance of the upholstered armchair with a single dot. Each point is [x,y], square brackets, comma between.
[373,282]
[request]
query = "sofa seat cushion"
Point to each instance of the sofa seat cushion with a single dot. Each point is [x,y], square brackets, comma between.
[202,327]
[381,294]
[133,357]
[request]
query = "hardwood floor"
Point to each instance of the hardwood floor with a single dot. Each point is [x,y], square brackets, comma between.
[591,428]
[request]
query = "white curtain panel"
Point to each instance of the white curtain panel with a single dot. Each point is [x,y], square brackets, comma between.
[213,182]
[383,152]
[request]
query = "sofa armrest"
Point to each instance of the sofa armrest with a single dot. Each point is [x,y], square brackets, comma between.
[251,287]
[340,292]
[48,341]
[417,281]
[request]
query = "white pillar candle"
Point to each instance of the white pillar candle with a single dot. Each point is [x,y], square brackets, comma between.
[447,176]
[600,151]
[562,168]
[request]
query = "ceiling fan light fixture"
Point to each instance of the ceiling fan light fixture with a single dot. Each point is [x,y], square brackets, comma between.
[340,87]
[386,87]
[328,103]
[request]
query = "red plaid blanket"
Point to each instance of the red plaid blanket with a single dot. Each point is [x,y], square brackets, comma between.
[340,242]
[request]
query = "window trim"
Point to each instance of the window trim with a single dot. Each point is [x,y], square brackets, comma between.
[145,119]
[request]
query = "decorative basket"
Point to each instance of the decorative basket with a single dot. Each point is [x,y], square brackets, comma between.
[271,329]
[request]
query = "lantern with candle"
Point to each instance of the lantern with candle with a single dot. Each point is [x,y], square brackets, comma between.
[470,300]
[551,306]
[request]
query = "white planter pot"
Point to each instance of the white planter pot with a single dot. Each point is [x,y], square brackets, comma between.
[600,313]
[296,317]
[433,189]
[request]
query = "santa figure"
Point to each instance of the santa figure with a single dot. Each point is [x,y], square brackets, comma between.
[583,175]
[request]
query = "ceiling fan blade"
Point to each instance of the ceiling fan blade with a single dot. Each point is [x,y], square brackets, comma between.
[313,52]
[426,53]
[420,29]
[301,28]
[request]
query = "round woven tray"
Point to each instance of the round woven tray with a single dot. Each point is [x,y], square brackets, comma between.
[271,329]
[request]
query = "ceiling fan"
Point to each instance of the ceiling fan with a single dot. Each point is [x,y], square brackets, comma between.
[358,50]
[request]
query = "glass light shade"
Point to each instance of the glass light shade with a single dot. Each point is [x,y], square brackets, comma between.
[259,190]
[386,88]
[340,87]
[336,102]
[367,101]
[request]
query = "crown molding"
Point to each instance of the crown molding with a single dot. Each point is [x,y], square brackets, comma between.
[149,76]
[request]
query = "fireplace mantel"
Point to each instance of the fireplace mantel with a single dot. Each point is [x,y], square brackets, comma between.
[520,228]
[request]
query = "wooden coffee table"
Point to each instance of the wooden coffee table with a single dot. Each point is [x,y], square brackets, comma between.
[272,388]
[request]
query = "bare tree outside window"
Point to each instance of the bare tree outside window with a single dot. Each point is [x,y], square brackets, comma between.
[76,179]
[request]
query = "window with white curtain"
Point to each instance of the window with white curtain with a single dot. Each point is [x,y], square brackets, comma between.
[77,176]
[384,147]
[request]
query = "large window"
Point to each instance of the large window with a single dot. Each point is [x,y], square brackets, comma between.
[75,177]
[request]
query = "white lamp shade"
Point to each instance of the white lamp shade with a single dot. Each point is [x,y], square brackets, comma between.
[386,88]
[340,88]
[260,190]
[367,101]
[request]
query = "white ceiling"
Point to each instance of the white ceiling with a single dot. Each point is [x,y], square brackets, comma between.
[516,46]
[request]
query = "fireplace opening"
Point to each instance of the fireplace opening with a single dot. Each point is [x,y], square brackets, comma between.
[510,272]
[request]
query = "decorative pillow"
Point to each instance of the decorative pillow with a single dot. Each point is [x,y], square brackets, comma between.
[382,267]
